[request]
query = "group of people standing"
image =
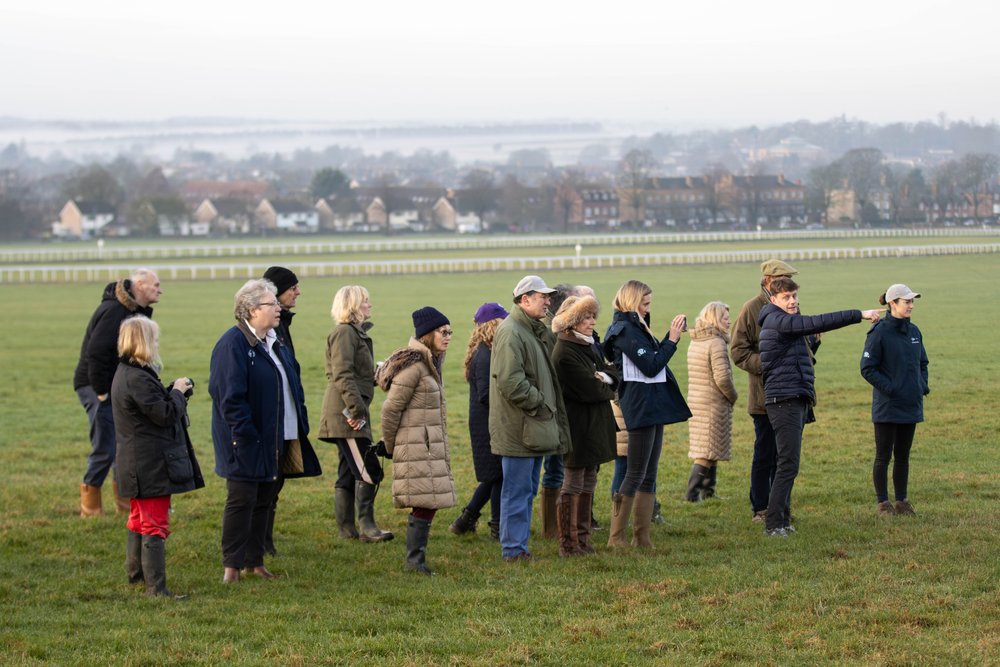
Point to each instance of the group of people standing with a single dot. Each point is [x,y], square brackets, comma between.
[544,390]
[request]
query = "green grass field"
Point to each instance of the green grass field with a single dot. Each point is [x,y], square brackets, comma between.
[848,588]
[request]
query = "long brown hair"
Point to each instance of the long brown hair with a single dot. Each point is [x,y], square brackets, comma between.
[482,333]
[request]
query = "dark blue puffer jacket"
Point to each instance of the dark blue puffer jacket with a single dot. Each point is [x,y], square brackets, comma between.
[644,404]
[785,363]
[895,364]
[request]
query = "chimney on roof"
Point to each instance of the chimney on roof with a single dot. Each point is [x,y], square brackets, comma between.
[687,181]
[781,179]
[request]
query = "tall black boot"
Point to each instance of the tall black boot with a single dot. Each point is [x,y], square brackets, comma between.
[133,558]
[708,485]
[364,495]
[417,531]
[343,510]
[465,523]
[699,474]
[494,525]
[154,567]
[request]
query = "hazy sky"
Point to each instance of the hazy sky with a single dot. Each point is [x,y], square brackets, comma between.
[721,62]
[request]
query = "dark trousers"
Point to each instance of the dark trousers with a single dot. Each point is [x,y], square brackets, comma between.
[644,445]
[788,418]
[102,436]
[244,522]
[763,466]
[487,492]
[892,443]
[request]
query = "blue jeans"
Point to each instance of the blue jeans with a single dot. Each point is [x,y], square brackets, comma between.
[102,436]
[520,485]
[762,468]
[788,418]
[552,477]
[621,465]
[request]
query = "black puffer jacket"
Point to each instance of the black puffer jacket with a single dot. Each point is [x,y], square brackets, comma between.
[785,362]
[99,351]
[154,457]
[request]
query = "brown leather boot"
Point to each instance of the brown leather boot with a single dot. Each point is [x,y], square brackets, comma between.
[621,508]
[642,519]
[122,505]
[584,515]
[567,516]
[90,501]
[550,530]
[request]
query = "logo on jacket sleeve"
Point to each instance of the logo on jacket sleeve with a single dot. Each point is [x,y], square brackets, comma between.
[866,355]
[641,351]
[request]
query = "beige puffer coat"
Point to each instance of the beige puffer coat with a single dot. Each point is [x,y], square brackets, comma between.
[711,394]
[621,437]
[415,430]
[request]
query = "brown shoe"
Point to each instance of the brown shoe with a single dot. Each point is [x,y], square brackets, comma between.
[230,575]
[884,508]
[759,516]
[904,508]
[260,571]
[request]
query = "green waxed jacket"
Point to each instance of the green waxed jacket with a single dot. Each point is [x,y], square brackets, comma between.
[350,381]
[527,413]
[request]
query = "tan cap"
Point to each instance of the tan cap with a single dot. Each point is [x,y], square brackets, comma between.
[532,284]
[900,291]
[775,267]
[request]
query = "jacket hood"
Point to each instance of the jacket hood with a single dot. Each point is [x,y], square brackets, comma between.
[704,331]
[121,292]
[402,359]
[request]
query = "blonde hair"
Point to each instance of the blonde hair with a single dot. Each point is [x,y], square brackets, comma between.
[347,302]
[482,334]
[711,314]
[630,295]
[137,340]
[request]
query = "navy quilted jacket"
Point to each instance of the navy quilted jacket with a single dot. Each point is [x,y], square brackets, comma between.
[785,363]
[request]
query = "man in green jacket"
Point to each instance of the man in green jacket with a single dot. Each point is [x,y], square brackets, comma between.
[527,414]
[744,347]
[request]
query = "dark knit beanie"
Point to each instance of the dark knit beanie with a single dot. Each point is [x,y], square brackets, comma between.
[427,319]
[282,278]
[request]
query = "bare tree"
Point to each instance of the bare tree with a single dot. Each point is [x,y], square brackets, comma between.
[863,169]
[566,196]
[823,181]
[479,193]
[718,192]
[976,173]
[945,188]
[634,171]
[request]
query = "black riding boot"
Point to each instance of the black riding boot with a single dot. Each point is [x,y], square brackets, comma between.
[417,531]
[696,482]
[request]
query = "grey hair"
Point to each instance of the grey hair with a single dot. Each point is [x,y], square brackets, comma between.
[140,274]
[250,295]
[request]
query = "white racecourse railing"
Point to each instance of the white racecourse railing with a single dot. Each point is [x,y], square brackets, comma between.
[141,254]
[173,271]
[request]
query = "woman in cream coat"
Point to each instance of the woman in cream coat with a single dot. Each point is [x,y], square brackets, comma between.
[414,430]
[711,395]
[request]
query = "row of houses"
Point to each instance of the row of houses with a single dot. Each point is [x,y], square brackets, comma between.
[250,207]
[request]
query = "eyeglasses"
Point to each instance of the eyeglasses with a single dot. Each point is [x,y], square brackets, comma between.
[272,304]
[447,333]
